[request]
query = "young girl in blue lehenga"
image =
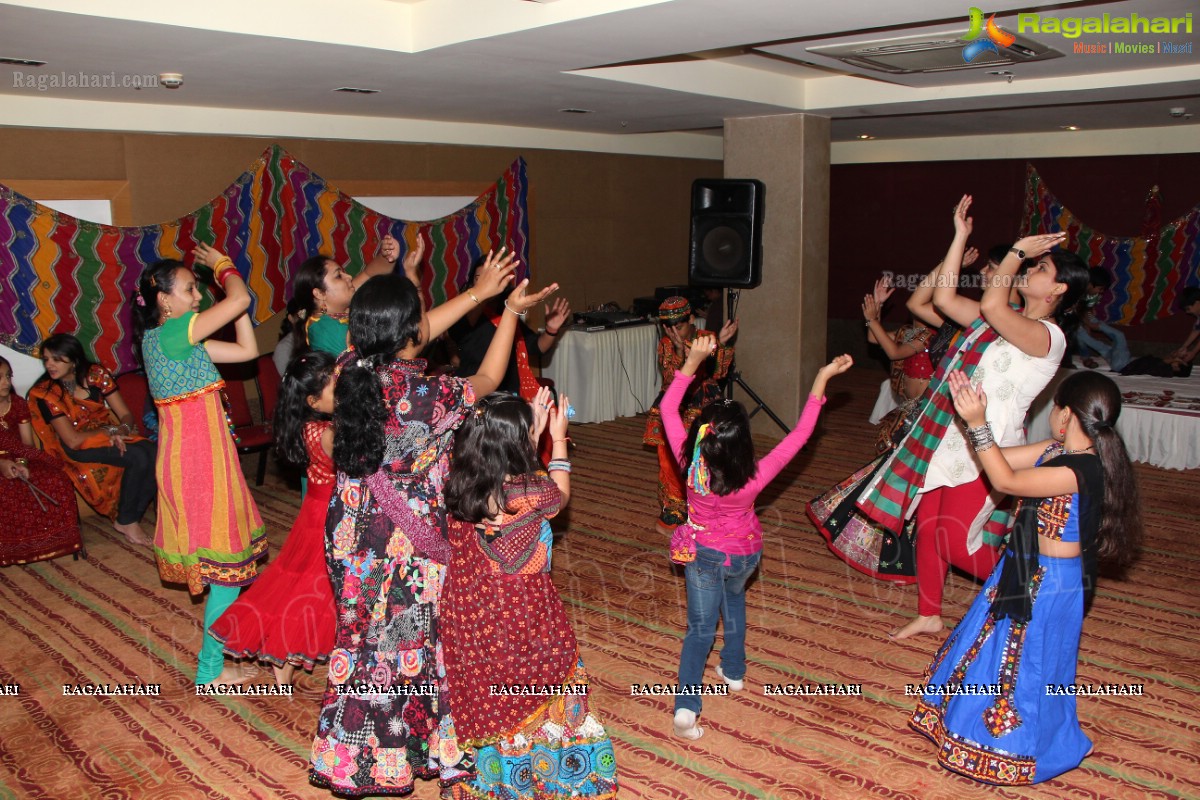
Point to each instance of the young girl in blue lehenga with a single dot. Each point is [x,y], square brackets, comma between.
[1020,639]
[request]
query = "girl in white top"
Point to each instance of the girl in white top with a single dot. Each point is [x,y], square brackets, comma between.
[955,499]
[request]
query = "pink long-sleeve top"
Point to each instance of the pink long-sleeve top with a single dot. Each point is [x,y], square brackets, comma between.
[727,522]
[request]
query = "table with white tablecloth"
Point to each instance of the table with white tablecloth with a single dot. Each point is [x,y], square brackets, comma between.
[606,374]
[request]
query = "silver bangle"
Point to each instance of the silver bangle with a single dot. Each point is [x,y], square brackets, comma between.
[520,314]
[981,438]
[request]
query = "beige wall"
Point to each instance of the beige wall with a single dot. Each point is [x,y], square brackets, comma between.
[607,227]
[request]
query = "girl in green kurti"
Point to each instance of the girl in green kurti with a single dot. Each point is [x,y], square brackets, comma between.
[209,532]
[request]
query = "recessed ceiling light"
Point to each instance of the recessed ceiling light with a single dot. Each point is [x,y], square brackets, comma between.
[21,62]
[1069,127]
[576,111]
[865,136]
[356,90]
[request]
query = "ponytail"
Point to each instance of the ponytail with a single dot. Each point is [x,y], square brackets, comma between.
[385,318]
[306,377]
[1095,401]
[359,416]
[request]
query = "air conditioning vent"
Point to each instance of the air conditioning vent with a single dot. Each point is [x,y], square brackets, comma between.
[939,53]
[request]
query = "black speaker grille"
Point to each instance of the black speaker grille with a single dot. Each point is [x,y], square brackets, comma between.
[726,240]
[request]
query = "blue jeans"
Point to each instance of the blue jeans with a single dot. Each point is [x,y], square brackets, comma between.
[714,591]
[1117,353]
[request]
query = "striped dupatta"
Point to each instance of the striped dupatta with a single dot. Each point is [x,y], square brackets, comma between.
[888,499]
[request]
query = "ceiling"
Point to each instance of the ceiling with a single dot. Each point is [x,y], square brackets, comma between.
[636,66]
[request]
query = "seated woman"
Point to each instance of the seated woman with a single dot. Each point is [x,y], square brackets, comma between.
[80,417]
[40,518]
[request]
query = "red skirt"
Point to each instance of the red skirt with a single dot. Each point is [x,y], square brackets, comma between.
[288,614]
[29,532]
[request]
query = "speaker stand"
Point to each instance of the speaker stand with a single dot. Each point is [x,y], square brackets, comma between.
[735,375]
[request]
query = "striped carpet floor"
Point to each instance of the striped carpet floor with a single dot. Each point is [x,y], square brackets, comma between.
[810,618]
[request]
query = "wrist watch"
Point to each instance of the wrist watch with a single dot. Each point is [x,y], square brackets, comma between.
[1020,253]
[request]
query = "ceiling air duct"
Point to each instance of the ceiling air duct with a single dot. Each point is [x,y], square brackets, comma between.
[931,53]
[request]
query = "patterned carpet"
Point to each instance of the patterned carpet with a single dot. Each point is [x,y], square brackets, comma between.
[811,620]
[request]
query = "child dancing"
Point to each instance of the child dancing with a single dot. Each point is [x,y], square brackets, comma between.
[723,482]
[287,616]
[1022,632]
[504,622]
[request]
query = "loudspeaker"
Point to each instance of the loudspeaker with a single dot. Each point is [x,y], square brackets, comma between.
[726,244]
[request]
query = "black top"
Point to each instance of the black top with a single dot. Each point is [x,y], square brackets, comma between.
[473,342]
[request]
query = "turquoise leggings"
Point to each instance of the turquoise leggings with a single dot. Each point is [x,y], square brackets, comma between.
[212,656]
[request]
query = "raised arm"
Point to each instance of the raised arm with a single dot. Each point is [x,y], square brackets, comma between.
[894,350]
[557,315]
[782,454]
[1026,481]
[491,279]
[235,303]
[495,362]
[384,262]
[1029,335]
[559,445]
[946,298]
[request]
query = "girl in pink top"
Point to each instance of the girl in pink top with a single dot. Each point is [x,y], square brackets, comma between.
[723,482]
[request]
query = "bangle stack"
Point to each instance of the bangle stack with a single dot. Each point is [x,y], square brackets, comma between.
[559,464]
[520,314]
[224,270]
[981,437]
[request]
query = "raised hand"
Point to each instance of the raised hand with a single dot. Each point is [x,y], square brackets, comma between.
[728,331]
[963,225]
[1038,246]
[702,347]
[969,401]
[970,257]
[870,309]
[521,301]
[412,261]
[541,404]
[558,418]
[389,248]
[883,290]
[495,273]
[207,255]
[557,314]
[837,366]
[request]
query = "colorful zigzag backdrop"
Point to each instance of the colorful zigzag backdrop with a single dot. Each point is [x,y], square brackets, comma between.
[1149,271]
[60,274]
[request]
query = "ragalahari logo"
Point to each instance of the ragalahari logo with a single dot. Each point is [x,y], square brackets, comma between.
[978,45]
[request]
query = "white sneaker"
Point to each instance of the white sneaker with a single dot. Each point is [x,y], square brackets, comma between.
[685,726]
[734,686]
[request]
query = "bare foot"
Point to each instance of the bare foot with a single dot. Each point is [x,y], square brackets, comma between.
[133,533]
[285,675]
[918,625]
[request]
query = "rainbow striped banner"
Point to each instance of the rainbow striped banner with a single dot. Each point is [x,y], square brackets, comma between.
[59,274]
[1148,273]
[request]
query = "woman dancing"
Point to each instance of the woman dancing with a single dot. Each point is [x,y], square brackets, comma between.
[1079,504]
[1013,355]
[385,540]
[209,532]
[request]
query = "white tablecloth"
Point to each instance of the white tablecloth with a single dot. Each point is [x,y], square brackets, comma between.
[606,374]
[1164,438]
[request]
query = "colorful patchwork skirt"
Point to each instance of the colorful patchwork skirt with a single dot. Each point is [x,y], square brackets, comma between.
[998,714]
